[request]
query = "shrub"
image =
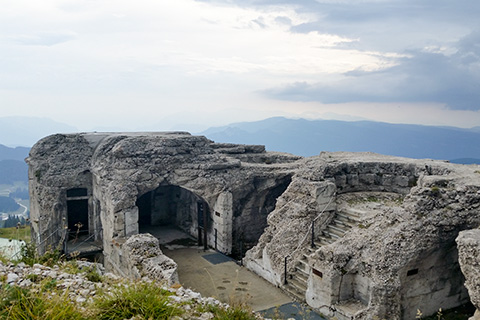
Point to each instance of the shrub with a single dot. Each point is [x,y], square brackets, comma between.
[29,255]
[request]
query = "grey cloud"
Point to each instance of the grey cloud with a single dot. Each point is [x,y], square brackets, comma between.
[422,77]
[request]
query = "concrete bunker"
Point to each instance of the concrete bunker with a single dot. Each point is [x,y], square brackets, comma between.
[176,207]
[135,181]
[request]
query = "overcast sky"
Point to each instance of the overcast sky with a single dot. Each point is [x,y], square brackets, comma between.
[185,64]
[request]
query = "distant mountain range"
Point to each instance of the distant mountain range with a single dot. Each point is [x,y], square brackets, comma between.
[297,136]
[310,137]
[25,131]
[12,164]
[12,171]
[18,153]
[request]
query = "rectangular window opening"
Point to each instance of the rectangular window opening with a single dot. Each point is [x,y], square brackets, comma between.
[317,273]
[412,272]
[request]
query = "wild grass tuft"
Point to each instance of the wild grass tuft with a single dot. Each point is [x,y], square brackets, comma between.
[18,303]
[146,300]
[93,275]
[29,255]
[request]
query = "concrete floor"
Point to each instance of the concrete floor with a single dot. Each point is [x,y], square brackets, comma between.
[215,275]
[225,280]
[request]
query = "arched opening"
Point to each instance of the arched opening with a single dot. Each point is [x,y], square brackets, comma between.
[173,207]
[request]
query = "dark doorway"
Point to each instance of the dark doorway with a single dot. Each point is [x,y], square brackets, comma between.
[77,211]
[172,206]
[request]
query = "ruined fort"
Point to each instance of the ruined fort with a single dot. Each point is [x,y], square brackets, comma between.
[354,235]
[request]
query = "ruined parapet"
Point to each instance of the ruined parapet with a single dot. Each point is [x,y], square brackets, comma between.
[468,243]
[397,254]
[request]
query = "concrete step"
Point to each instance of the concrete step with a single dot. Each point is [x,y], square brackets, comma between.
[326,241]
[298,283]
[336,230]
[303,264]
[294,293]
[346,223]
[329,234]
[354,212]
[347,217]
[301,273]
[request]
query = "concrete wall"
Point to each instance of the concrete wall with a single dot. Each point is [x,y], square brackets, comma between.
[375,176]
[435,280]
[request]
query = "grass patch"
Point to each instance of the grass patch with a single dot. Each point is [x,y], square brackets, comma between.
[22,233]
[19,303]
[30,256]
[146,300]
[93,275]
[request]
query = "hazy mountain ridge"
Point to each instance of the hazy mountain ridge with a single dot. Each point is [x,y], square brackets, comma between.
[12,171]
[12,164]
[310,137]
[18,153]
[26,131]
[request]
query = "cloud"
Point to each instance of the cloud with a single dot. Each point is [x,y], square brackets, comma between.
[42,39]
[122,59]
[429,75]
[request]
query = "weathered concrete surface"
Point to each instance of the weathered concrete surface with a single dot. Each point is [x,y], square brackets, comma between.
[238,184]
[398,257]
[395,253]
[142,257]
[469,257]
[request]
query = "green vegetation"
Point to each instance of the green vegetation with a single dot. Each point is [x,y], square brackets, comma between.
[435,191]
[12,221]
[16,233]
[29,255]
[47,299]
[145,299]
[19,303]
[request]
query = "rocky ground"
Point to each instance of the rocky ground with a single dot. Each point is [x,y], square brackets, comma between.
[83,281]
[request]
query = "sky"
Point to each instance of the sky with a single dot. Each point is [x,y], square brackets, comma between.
[190,64]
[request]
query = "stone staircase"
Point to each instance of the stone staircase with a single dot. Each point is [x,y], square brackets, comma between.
[344,220]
